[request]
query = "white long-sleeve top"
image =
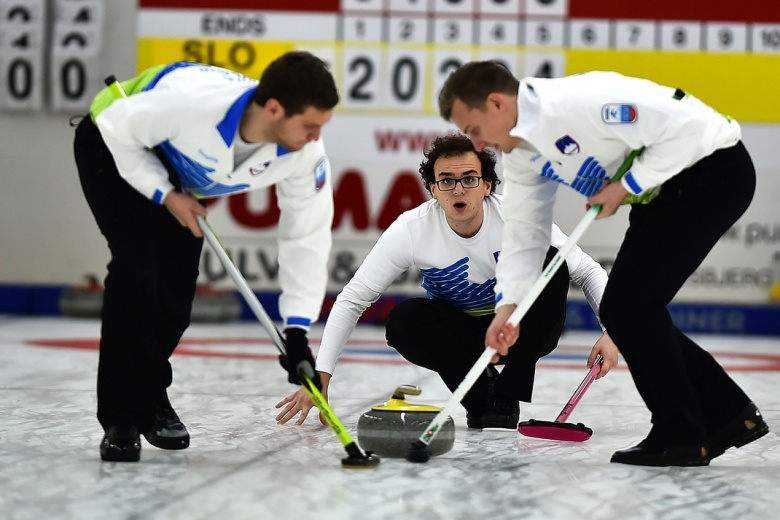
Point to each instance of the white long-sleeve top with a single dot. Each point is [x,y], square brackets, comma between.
[190,113]
[578,131]
[460,270]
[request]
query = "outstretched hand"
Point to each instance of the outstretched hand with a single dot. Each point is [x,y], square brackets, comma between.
[300,402]
[185,208]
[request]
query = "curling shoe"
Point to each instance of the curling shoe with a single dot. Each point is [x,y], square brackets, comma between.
[502,414]
[746,427]
[167,432]
[648,454]
[492,413]
[121,444]
[473,421]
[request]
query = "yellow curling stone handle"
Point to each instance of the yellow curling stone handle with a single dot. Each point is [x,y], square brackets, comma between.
[398,403]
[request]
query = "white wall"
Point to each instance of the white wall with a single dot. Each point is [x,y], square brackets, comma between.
[47,234]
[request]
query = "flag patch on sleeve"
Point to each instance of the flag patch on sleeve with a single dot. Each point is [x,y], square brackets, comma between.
[619,113]
[321,173]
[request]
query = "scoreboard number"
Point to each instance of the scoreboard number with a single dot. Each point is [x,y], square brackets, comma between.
[444,64]
[544,33]
[74,64]
[635,35]
[544,65]
[363,28]
[361,78]
[453,30]
[407,30]
[21,54]
[589,34]
[725,37]
[680,36]
[498,32]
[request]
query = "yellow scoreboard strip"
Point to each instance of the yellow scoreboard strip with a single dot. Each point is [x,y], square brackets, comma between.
[742,85]
[248,57]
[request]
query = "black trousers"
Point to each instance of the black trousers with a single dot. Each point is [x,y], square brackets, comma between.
[149,287]
[438,336]
[687,392]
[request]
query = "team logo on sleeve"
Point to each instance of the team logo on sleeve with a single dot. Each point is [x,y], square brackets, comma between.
[567,145]
[321,173]
[619,113]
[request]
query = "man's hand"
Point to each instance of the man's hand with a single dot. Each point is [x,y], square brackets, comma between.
[502,335]
[185,208]
[299,357]
[608,350]
[610,196]
[301,402]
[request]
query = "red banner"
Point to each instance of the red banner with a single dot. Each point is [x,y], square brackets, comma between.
[672,10]
[324,6]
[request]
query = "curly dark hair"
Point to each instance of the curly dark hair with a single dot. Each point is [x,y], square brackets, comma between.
[456,145]
[472,83]
[297,80]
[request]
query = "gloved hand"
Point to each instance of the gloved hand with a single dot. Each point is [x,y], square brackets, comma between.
[299,357]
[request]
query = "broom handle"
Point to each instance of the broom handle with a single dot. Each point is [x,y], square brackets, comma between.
[580,391]
[251,299]
[242,285]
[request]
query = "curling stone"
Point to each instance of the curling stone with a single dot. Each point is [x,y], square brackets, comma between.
[215,306]
[82,301]
[208,306]
[388,429]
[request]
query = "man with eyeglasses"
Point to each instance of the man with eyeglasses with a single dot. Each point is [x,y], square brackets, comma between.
[455,241]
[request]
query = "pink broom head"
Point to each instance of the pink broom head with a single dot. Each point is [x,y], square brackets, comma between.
[555,431]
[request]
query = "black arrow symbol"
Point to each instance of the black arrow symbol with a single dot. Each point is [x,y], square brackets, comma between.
[77,37]
[21,11]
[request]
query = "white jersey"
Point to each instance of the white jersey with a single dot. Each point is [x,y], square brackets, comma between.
[459,270]
[189,113]
[578,131]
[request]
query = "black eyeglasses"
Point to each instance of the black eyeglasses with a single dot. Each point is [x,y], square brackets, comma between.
[469,182]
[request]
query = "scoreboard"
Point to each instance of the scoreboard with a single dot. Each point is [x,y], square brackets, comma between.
[392,56]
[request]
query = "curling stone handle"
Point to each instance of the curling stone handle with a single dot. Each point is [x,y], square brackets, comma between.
[403,390]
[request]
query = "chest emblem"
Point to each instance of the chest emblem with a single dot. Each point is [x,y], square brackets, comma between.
[567,145]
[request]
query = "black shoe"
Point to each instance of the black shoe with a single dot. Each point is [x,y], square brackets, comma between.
[502,414]
[474,421]
[121,444]
[647,454]
[168,432]
[743,429]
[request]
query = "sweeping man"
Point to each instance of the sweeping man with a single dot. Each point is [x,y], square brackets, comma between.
[692,181]
[455,241]
[189,131]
